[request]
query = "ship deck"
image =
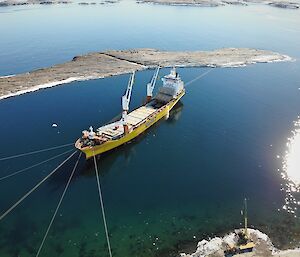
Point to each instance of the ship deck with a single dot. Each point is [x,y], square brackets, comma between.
[140,114]
[134,118]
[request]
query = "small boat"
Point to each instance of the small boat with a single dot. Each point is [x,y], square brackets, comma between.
[136,122]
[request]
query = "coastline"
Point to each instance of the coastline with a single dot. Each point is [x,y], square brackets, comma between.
[284,4]
[264,247]
[8,3]
[111,63]
[38,87]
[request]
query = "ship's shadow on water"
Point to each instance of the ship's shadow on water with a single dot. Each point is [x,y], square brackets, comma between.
[106,160]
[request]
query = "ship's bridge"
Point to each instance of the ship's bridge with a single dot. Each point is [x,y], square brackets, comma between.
[172,86]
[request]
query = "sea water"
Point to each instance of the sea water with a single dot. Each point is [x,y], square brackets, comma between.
[186,177]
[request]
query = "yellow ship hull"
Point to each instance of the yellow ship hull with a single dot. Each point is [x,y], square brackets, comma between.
[91,151]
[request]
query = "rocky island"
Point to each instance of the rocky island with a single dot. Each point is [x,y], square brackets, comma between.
[285,4]
[214,3]
[28,2]
[5,3]
[202,3]
[113,62]
[104,2]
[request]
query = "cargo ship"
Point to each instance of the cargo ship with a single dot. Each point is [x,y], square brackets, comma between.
[134,123]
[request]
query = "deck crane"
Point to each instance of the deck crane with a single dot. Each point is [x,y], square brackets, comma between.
[126,101]
[151,84]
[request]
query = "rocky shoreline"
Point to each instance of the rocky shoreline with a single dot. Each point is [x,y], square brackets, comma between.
[7,3]
[215,3]
[200,3]
[286,5]
[113,62]
[216,246]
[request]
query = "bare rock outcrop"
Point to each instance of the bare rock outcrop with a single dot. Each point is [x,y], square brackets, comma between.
[214,3]
[215,247]
[109,63]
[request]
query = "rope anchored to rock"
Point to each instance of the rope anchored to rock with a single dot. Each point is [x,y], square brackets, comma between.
[102,206]
[34,188]
[58,206]
[34,152]
[198,77]
[32,166]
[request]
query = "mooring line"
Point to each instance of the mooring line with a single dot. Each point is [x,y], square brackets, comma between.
[35,165]
[102,206]
[58,206]
[34,188]
[199,77]
[34,152]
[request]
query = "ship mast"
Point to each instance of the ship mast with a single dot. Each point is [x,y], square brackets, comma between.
[151,84]
[125,102]
[245,218]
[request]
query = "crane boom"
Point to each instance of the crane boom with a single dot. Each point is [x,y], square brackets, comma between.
[126,97]
[125,102]
[151,85]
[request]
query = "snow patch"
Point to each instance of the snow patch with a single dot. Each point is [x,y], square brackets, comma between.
[46,85]
[7,76]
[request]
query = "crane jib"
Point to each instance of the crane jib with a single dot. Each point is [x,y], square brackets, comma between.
[151,85]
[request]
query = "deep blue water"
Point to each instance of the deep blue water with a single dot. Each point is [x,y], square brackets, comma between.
[38,36]
[186,177]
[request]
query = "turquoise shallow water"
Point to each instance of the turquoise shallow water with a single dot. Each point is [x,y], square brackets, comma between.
[186,177]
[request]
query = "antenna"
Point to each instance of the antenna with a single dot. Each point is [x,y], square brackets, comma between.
[246,217]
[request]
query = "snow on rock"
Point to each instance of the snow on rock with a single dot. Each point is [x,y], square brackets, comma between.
[205,248]
[217,245]
[230,239]
[259,234]
[208,247]
[263,246]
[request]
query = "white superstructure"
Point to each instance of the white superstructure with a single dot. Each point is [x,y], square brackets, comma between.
[172,87]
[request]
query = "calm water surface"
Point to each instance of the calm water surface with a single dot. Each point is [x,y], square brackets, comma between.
[186,177]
